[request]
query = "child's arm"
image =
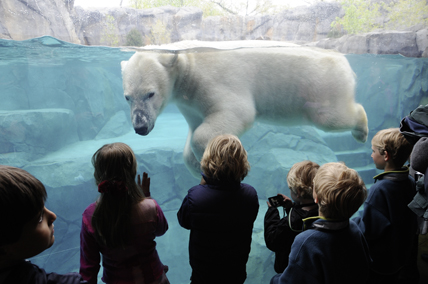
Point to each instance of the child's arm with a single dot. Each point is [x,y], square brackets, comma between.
[277,233]
[89,255]
[162,224]
[183,214]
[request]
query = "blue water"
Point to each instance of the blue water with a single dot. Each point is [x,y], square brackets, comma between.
[60,102]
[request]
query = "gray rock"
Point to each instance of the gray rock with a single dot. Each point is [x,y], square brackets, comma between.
[24,19]
[117,125]
[305,23]
[187,23]
[422,42]
[382,42]
[92,28]
[356,44]
[31,131]
[393,42]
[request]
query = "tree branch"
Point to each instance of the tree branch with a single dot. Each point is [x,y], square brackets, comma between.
[224,8]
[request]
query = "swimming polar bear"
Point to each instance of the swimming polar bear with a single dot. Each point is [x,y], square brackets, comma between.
[224,90]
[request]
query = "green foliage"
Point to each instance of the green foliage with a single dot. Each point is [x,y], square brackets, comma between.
[407,13]
[215,7]
[158,34]
[336,31]
[134,38]
[109,35]
[360,16]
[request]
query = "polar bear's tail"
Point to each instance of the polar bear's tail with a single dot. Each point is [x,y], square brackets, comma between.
[361,128]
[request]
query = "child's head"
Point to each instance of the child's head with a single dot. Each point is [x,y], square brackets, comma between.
[338,190]
[300,178]
[115,161]
[115,168]
[225,159]
[28,225]
[392,142]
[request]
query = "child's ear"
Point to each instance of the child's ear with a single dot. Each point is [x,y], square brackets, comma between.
[386,155]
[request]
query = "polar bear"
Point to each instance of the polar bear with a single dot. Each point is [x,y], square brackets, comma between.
[224,90]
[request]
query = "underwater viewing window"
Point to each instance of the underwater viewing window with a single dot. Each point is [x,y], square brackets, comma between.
[62,98]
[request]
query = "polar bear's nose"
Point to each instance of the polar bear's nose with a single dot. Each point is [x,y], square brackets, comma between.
[141,130]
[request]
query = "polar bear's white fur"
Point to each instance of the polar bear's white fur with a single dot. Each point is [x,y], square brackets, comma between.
[225,91]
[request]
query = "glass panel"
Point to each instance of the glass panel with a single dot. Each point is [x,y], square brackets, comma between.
[61,98]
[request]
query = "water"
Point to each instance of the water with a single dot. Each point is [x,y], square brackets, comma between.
[60,102]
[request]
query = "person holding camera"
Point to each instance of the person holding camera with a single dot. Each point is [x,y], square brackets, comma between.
[331,249]
[280,233]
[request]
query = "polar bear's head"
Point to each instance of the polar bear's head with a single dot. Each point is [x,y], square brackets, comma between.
[147,85]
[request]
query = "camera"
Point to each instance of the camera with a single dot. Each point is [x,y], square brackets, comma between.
[278,200]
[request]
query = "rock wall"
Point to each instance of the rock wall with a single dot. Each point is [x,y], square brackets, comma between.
[407,43]
[303,24]
[27,19]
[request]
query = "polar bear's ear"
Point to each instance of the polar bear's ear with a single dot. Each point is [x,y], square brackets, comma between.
[168,60]
[123,64]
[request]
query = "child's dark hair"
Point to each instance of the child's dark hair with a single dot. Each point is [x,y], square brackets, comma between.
[22,197]
[115,168]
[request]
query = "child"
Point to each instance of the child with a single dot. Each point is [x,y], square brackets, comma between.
[387,223]
[122,224]
[220,213]
[280,233]
[331,249]
[27,230]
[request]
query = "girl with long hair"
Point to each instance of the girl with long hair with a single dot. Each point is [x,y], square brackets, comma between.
[122,224]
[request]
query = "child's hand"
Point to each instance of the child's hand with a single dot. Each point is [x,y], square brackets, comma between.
[145,184]
[284,196]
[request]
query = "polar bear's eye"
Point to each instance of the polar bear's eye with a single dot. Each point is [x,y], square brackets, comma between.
[151,95]
[127,98]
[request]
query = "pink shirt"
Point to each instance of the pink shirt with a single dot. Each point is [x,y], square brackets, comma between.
[137,263]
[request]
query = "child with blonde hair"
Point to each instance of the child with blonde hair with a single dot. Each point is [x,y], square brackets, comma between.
[220,212]
[388,224]
[28,230]
[122,224]
[331,249]
[280,233]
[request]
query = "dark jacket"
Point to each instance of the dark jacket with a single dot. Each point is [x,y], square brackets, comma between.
[220,218]
[27,273]
[280,233]
[328,253]
[387,223]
